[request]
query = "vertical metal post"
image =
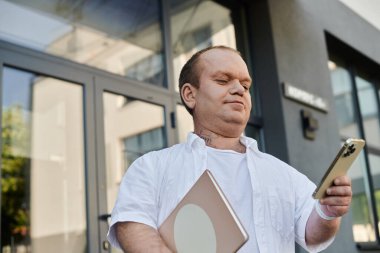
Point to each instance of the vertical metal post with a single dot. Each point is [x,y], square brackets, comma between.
[172,137]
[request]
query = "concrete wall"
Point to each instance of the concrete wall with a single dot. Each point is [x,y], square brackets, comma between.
[289,45]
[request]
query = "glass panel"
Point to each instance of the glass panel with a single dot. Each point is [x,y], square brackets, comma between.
[132,128]
[184,123]
[193,28]
[128,44]
[43,206]
[344,103]
[363,229]
[362,220]
[377,197]
[374,161]
[139,144]
[370,112]
[369,109]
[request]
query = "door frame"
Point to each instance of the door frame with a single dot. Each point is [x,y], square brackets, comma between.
[132,89]
[40,63]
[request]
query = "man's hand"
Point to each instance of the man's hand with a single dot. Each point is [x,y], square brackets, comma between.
[338,197]
[139,238]
[336,203]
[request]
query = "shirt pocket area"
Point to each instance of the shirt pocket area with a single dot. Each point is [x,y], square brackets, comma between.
[281,214]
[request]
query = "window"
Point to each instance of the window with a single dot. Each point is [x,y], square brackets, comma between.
[137,145]
[358,110]
[123,37]
[185,123]
[193,28]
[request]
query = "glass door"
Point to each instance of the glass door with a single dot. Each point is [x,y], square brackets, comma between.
[131,123]
[48,171]
[68,134]
[43,193]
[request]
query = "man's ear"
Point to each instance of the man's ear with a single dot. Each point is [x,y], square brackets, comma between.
[188,93]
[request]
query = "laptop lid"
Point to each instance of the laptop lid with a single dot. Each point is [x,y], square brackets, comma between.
[203,221]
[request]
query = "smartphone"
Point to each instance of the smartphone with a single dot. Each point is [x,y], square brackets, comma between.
[339,167]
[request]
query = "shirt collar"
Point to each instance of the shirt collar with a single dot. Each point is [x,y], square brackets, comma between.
[194,141]
[249,143]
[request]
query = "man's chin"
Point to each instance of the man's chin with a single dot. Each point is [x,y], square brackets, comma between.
[236,121]
[233,129]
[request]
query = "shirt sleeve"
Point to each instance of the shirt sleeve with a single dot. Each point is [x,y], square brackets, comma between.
[304,206]
[137,199]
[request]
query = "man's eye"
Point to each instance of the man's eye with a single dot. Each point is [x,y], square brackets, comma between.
[222,81]
[246,87]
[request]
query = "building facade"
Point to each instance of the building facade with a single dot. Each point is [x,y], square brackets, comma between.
[89,86]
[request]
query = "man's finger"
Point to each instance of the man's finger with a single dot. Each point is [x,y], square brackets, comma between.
[342,180]
[339,191]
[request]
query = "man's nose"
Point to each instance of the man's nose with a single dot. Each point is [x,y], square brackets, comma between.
[237,88]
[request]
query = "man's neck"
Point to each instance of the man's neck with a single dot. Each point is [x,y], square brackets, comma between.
[220,142]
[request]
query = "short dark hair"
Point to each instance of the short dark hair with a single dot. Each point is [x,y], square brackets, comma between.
[190,74]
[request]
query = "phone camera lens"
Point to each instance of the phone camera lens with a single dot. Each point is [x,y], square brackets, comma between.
[350,150]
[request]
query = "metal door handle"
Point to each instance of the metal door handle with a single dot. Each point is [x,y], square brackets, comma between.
[104,217]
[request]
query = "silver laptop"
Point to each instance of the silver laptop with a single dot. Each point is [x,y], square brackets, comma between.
[203,221]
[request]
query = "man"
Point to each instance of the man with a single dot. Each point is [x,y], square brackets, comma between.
[272,200]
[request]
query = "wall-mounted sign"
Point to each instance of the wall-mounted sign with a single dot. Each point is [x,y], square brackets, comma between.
[305,97]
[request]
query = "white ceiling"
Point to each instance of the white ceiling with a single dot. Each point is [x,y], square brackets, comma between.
[368,9]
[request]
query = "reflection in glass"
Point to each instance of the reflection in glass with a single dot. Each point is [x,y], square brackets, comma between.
[344,104]
[132,128]
[342,87]
[374,161]
[193,28]
[122,37]
[362,220]
[42,180]
[184,122]
[377,197]
[370,111]
[139,144]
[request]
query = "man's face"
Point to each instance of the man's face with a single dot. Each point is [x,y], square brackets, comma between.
[222,101]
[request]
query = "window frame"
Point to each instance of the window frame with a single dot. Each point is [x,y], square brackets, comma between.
[352,66]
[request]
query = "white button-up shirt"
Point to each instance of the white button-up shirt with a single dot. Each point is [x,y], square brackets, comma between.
[156,182]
